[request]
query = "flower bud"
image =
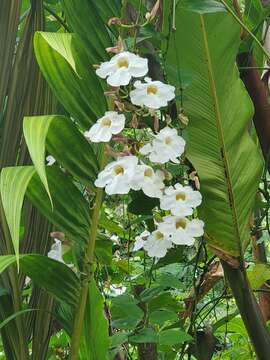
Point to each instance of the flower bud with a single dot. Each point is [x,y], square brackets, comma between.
[114,21]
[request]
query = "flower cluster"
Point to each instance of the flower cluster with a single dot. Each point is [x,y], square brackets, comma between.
[146,171]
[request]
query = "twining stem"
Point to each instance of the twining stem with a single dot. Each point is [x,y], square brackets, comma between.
[87,273]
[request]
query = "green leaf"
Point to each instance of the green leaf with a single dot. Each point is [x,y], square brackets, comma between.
[14,316]
[63,47]
[144,336]
[79,92]
[70,213]
[13,185]
[174,336]
[149,294]
[125,313]
[119,338]
[108,9]
[103,251]
[111,226]
[91,29]
[219,147]
[96,325]
[258,275]
[161,317]
[66,144]
[56,277]
[202,6]
[141,204]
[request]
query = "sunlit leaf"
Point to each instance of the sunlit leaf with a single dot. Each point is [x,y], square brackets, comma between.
[13,185]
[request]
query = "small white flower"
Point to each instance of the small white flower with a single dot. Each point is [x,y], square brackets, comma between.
[166,146]
[115,239]
[50,160]
[157,244]
[122,67]
[182,231]
[140,240]
[152,94]
[180,200]
[56,251]
[110,124]
[117,175]
[147,180]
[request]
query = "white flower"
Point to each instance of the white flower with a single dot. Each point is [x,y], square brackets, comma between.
[181,230]
[166,146]
[140,240]
[115,239]
[122,67]
[152,94]
[150,182]
[56,251]
[50,160]
[110,124]
[180,200]
[117,175]
[157,244]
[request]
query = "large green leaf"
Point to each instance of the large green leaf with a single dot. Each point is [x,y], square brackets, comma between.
[91,29]
[66,144]
[79,91]
[56,277]
[70,212]
[108,9]
[219,108]
[96,336]
[13,185]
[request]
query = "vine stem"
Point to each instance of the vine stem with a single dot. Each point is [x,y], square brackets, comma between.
[87,274]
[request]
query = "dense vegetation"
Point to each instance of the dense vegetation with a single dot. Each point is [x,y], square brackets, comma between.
[134,187]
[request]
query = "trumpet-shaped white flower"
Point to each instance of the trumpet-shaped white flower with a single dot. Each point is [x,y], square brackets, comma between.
[180,200]
[50,160]
[149,181]
[117,175]
[140,240]
[157,244]
[152,94]
[110,124]
[56,251]
[122,67]
[181,230]
[166,146]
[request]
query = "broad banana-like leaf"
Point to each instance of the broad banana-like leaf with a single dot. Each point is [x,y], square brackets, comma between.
[64,142]
[84,17]
[79,91]
[219,108]
[13,185]
[56,277]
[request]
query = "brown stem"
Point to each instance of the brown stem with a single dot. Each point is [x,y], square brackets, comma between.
[249,310]
[258,91]
[147,351]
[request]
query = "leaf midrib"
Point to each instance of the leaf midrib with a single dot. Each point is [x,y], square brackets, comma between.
[224,157]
